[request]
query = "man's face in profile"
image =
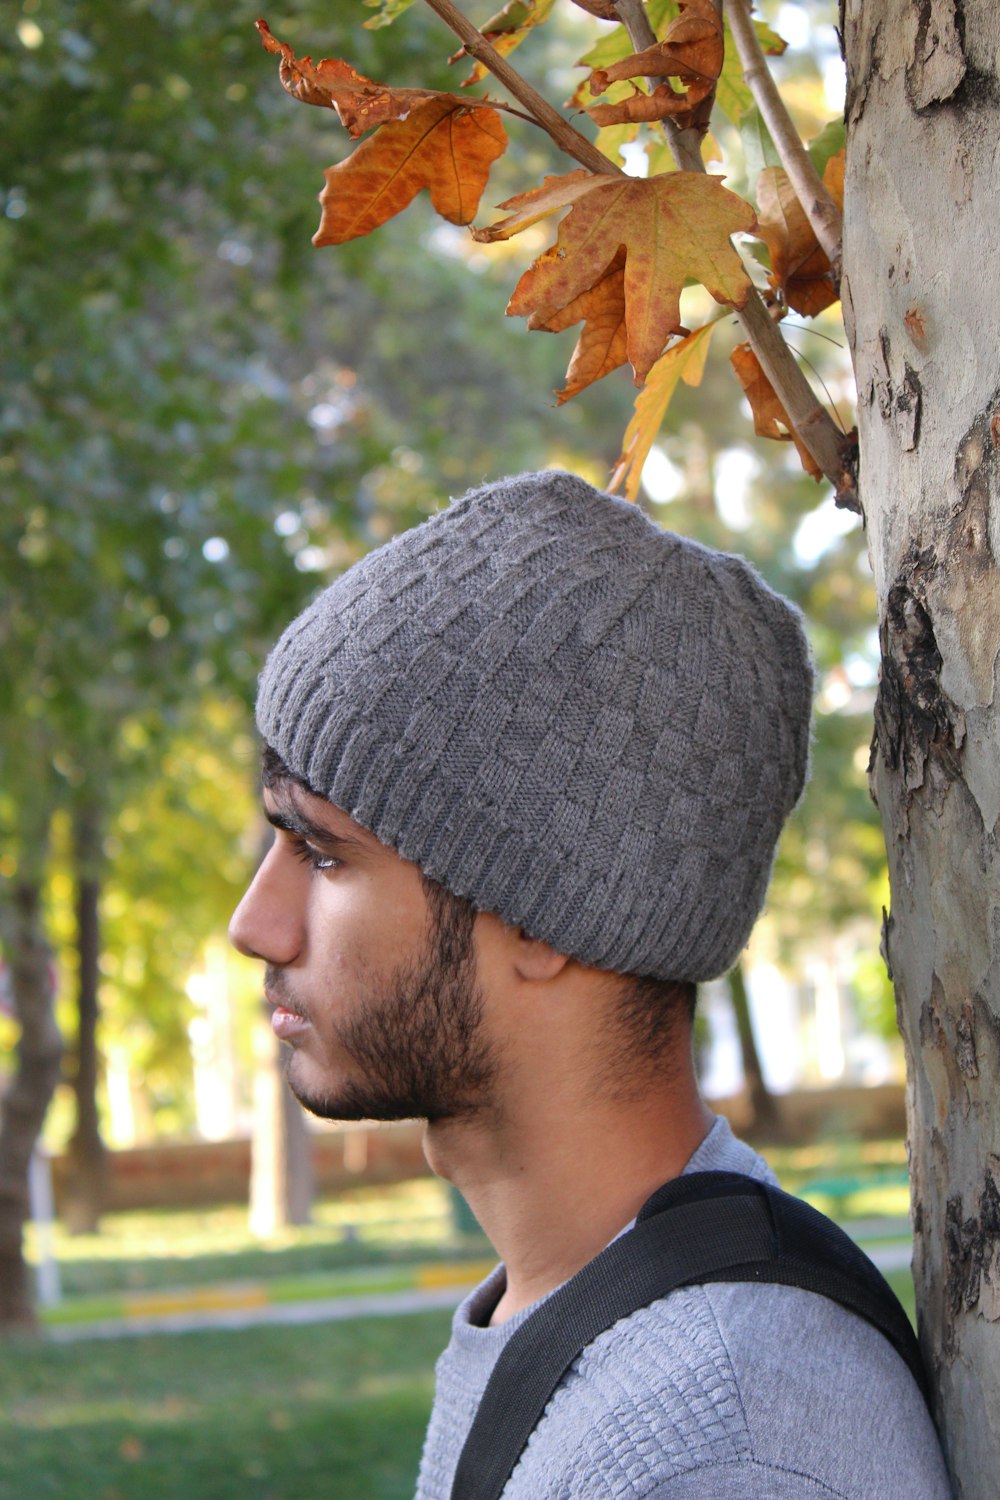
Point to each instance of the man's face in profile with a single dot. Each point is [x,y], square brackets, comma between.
[373,981]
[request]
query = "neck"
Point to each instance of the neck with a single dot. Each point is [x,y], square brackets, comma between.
[563,1167]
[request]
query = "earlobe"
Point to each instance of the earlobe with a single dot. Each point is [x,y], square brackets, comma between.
[536,960]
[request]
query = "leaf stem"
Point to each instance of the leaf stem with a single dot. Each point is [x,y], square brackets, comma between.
[819,208]
[562,132]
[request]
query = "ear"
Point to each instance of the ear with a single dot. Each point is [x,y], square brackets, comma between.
[537,961]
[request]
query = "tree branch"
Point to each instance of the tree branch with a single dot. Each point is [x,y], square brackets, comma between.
[819,208]
[562,132]
[811,421]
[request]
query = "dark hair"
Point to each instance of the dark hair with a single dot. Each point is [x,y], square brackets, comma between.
[650,1008]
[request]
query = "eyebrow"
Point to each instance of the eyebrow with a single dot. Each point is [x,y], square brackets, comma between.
[301,826]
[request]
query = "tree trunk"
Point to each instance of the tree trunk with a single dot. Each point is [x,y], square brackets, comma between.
[23,1106]
[923,317]
[280,1164]
[765,1115]
[87,1181]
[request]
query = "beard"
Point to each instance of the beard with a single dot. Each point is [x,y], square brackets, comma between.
[418,1043]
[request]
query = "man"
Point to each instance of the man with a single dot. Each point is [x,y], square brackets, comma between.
[528,764]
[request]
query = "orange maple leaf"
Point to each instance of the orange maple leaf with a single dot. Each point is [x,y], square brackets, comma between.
[443,146]
[692,50]
[671,228]
[799,267]
[602,345]
[332,84]
[770,419]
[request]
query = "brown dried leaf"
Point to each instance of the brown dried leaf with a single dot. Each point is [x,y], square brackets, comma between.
[442,146]
[671,229]
[663,103]
[770,419]
[800,269]
[332,84]
[692,50]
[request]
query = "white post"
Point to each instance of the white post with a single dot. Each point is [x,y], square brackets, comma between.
[40,1194]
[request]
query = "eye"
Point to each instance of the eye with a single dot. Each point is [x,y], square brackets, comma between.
[310,855]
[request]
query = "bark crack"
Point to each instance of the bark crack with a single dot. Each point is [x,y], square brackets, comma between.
[915,720]
[937,65]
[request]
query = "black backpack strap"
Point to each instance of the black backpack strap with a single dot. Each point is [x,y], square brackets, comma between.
[703,1226]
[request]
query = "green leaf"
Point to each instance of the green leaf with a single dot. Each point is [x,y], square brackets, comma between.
[617,44]
[731,92]
[759,150]
[830,141]
[388,10]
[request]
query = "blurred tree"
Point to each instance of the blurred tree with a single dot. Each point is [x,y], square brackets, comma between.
[194,430]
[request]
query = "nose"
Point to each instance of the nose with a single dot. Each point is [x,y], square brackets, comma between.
[268,923]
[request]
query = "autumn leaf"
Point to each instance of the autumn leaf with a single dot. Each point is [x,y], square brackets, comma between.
[443,146]
[770,419]
[671,228]
[800,269]
[332,84]
[691,51]
[539,203]
[602,346]
[506,31]
[683,360]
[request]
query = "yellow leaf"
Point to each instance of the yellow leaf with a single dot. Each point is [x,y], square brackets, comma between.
[506,31]
[672,229]
[683,360]
[443,146]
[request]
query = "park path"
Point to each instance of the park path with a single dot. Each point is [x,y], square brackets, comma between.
[246,1306]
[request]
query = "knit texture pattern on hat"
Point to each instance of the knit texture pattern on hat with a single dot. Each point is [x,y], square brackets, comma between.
[587,725]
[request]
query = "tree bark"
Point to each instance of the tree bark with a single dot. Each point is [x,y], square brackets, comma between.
[86,1186]
[24,1105]
[923,316]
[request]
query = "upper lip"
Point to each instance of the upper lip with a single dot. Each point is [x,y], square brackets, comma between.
[280,1003]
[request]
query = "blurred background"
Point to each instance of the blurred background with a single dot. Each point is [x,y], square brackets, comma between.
[203,421]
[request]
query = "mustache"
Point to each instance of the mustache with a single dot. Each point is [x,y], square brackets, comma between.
[276,989]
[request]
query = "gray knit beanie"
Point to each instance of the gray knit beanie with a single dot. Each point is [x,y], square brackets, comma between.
[587,725]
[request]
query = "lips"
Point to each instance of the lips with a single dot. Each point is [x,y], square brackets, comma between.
[286,1023]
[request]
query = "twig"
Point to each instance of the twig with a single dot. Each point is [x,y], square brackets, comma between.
[562,132]
[811,421]
[819,208]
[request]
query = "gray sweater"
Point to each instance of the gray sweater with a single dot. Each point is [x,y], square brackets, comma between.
[721,1392]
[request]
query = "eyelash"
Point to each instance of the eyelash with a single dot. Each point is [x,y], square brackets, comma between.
[311,856]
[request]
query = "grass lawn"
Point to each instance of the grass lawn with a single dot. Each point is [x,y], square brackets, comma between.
[331,1411]
[149,1250]
[326,1412]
